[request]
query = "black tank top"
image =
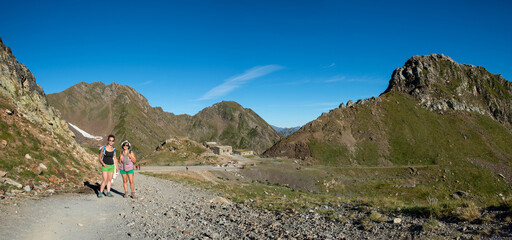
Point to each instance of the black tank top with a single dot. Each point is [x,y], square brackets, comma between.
[108,158]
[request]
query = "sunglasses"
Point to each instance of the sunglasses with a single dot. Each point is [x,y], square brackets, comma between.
[126,145]
[111,140]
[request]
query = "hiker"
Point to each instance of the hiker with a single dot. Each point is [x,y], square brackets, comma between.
[108,162]
[126,161]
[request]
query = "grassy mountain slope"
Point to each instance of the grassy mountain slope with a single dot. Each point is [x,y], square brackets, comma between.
[229,123]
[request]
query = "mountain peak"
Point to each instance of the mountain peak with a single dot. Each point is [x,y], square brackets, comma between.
[440,83]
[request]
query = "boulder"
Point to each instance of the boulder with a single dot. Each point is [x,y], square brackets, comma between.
[3,174]
[38,169]
[11,182]
[3,144]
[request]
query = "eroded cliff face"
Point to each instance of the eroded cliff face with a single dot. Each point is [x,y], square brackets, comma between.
[38,149]
[439,83]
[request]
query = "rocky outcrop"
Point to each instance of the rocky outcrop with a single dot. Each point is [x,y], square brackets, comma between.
[439,83]
[18,85]
[29,125]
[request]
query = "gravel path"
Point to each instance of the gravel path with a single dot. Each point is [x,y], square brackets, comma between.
[170,210]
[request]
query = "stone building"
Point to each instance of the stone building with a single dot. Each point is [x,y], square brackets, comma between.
[243,152]
[222,150]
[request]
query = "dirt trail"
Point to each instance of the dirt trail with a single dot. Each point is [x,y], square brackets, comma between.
[68,216]
[170,210]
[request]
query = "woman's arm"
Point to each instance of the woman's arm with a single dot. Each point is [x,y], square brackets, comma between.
[132,157]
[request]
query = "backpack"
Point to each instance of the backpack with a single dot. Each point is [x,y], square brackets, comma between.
[105,150]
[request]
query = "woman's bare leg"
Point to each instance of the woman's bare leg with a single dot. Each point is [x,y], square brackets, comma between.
[125,184]
[132,187]
[109,180]
[105,178]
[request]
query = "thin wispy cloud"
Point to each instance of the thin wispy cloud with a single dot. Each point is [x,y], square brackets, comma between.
[146,83]
[239,80]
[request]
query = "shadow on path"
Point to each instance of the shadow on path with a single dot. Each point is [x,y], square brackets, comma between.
[96,188]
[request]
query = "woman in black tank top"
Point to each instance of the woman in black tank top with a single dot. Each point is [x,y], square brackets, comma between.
[108,161]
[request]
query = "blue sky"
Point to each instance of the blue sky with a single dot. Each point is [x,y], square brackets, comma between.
[289,61]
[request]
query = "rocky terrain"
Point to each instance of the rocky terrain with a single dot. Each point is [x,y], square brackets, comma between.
[38,152]
[439,83]
[101,109]
[170,210]
[180,151]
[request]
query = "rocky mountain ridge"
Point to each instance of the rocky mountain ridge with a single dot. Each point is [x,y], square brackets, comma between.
[439,83]
[38,150]
[101,109]
[372,131]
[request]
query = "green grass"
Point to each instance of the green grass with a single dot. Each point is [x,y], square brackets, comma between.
[329,154]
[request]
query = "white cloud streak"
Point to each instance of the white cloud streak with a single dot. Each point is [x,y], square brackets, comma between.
[237,81]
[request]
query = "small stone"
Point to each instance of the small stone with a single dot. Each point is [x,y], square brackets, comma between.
[27,156]
[3,144]
[220,200]
[80,225]
[27,188]
[42,166]
[397,220]
[2,173]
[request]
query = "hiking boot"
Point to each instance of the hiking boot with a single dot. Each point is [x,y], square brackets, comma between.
[109,194]
[100,195]
[133,195]
[125,195]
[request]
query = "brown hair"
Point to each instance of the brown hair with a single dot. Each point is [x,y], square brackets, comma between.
[111,136]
